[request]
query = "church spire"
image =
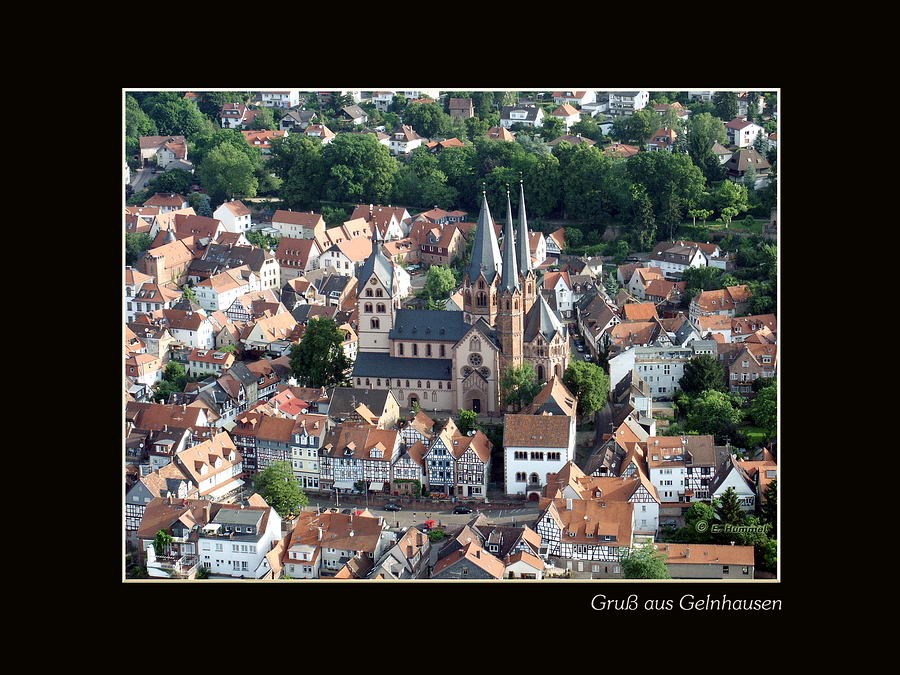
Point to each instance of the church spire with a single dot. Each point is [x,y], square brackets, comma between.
[510,279]
[486,251]
[523,245]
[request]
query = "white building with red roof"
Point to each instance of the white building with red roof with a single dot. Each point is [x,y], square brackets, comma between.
[235,216]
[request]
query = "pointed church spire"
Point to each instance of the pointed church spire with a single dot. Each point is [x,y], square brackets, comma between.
[486,251]
[523,245]
[510,279]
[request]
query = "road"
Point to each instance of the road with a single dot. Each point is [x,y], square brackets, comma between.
[407,518]
[140,179]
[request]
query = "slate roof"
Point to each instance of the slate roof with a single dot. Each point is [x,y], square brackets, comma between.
[541,318]
[374,364]
[486,251]
[425,324]
[509,280]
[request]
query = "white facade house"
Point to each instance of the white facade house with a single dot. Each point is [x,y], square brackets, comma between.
[280,99]
[234,215]
[382,100]
[528,115]
[700,95]
[743,133]
[674,258]
[624,103]
[660,367]
[559,283]
[534,446]
[219,291]
[730,476]
[236,541]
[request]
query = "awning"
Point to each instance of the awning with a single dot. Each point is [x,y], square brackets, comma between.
[343,484]
[376,486]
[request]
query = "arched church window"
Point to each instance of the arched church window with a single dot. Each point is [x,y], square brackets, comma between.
[380,308]
[376,323]
[367,307]
[368,292]
[474,345]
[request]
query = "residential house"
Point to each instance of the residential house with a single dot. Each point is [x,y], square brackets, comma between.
[347,256]
[461,108]
[408,558]
[721,152]
[254,305]
[745,362]
[354,114]
[744,104]
[500,134]
[233,115]
[561,286]
[162,149]
[217,258]
[662,367]
[380,402]
[218,292]
[235,216]
[236,541]
[299,224]
[674,257]
[595,317]
[319,131]
[150,298]
[567,114]
[621,150]
[296,257]
[742,133]
[745,159]
[270,334]
[180,519]
[624,103]
[437,146]
[280,99]
[206,362]
[682,468]
[662,139]
[355,453]
[296,120]
[723,302]
[166,201]
[262,139]
[640,279]
[708,561]
[404,140]
[392,222]
[573,98]
[731,475]
[529,115]
[321,544]
[540,442]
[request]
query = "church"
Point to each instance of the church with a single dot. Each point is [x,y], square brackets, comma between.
[446,360]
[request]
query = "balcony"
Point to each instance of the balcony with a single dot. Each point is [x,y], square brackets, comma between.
[176,566]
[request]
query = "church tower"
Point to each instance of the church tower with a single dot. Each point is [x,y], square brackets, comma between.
[483,276]
[377,298]
[510,311]
[527,278]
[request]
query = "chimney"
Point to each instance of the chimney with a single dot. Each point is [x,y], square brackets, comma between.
[568,504]
[320,533]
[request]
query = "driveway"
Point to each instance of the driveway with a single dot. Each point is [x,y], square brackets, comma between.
[140,179]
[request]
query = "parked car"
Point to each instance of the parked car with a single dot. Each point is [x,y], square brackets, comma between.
[462,508]
[579,347]
[392,507]
[587,357]
[347,511]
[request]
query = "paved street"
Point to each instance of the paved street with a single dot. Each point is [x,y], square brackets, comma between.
[409,517]
[140,178]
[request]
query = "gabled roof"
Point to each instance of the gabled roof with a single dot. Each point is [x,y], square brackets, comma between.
[541,319]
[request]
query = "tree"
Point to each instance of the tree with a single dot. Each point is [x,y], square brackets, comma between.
[176,180]
[319,360]
[767,554]
[440,283]
[277,485]
[297,161]
[420,181]
[769,507]
[264,119]
[666,175]
[621,251]
[713,412]
[552,128]
[135,245]
[643,220]
[574,237]
[726,215]
[726,105]
[702,373]
[203,573]
[226,173]
[161,542]
[636,128]
[699,512]
[200,203]
[467,421]
[589,383]
[728,509]
[263,240]
[703,131]
[357,168]
[519,385]
[764,412]
[611,285]
[645,562]
[428,119]
[588,128]
[188,293]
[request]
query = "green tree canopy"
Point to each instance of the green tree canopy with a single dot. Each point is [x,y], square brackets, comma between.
[713,412]
[428,119]
[645,562]
[467,421]
[764,410]
[278,486]
[319,359]
[358,169]
[726,105]
[519,385]
[702,373]
[589,383]
[728,509]
[227,173]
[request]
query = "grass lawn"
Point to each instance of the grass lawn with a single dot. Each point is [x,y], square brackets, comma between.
[754,434]
[688,230]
